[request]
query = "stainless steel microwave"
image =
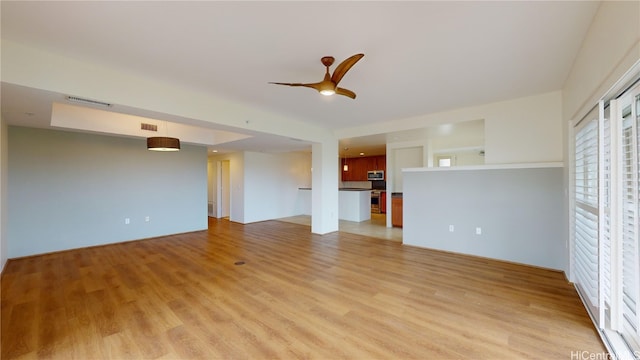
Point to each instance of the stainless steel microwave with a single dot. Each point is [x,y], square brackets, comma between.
[375,175]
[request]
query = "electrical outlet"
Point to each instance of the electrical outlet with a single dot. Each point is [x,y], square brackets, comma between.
[147,219]
[127,221]
[478,231]
[451,228]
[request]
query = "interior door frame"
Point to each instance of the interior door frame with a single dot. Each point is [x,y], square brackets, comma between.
[220,189]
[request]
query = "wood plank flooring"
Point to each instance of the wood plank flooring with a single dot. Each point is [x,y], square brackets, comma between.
[375,227]
[297,295]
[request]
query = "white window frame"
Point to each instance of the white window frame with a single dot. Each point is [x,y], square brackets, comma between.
[608,313]
[624,324]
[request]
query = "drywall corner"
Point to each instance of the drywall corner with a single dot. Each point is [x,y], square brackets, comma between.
[4,150]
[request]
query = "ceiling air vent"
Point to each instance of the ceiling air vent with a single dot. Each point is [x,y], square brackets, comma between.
[149,127]
[88,101]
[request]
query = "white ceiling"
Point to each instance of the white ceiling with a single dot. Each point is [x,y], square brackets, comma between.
[420,57]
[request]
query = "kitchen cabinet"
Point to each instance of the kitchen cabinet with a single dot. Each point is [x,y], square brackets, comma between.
[347,175]
[383,202]
[378,163]
[354,172]
[396,209]
[359,166]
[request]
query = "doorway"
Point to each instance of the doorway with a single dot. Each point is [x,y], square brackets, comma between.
[223,190]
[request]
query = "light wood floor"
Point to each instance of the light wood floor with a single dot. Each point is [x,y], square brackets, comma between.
[376,227]
[297,295]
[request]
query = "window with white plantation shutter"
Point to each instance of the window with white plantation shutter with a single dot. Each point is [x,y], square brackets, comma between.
[605,206]
[630,194]
[585,216]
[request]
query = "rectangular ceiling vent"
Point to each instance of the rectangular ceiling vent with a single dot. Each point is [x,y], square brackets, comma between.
[88,101]
[149,127]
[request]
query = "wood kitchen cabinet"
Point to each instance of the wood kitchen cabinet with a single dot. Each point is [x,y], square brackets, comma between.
[383,202]
[354,172]
[379,163]
[396,210]
[346,175]
[359,166]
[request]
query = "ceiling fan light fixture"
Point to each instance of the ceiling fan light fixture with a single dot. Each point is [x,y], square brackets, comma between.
[329,86]
[163,143]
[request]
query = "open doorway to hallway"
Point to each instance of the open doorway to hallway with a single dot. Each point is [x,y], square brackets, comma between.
[224,189]
[219,188]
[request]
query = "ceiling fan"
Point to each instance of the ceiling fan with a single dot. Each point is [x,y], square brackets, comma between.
[329,85]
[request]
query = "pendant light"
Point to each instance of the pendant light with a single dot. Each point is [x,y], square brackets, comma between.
[345,167]
[163,143]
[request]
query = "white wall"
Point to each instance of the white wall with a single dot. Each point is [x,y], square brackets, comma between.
[453,138]
[211,190]
[264,186]
[611,47]
[409,157]
[272,182]
[523,130]
[4,163]
[462,158]
[324,196]
[236,181]
[70,190]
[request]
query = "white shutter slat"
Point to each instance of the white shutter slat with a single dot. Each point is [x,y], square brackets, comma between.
[586,213]
[630,187]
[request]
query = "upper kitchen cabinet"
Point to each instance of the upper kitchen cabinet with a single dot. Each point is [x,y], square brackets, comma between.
[357,167]
[379,162]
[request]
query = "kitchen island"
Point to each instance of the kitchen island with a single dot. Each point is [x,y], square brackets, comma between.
[354,204]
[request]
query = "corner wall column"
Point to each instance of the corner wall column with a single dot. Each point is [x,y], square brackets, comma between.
[324,193]
[4,157]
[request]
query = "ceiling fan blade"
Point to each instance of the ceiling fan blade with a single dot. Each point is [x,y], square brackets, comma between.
[345,92]
[344,67]
[313,86]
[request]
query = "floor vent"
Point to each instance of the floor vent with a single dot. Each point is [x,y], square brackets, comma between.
[238,263]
